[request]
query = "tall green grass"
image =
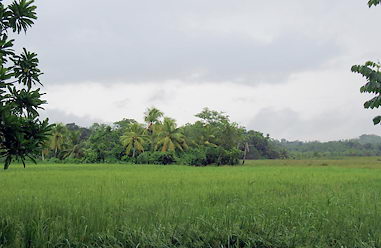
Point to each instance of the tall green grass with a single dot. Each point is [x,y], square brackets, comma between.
[262,204]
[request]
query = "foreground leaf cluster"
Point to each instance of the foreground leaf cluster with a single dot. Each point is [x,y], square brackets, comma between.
[371,72]
[22,134]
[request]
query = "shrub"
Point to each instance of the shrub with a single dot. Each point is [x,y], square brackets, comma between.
[230,157]
[162,158]
[211,155]
[90,156]
[142,158]
[196,157]
[221,156]
[128,159]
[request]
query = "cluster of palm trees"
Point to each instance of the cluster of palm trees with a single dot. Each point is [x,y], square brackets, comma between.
[63,143]
[212,134]
[159,134]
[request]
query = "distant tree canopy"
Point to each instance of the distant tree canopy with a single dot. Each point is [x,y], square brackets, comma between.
[213,139]
[365,145]
[371,72]
[22,134]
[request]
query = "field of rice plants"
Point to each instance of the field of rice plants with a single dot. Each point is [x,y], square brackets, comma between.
[279,203]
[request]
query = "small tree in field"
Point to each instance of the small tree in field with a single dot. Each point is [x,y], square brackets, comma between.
[22,134]
[371,72]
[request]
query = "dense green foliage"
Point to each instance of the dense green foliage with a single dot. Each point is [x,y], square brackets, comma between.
[365,145]
[263,147]
[263,204]
[213,139]
[22,134]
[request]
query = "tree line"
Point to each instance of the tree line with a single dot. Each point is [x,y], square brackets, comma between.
[212,139]
[365,145]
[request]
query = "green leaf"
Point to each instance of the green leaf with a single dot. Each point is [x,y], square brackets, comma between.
[22,15]
[377,120]
[373,3]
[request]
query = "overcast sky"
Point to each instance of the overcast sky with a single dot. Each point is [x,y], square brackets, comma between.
[280,67]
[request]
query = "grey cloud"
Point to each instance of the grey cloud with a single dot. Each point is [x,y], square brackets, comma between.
[160,96]
[331,125]
[139,41]
[60,116]
[245,100]
[122,103]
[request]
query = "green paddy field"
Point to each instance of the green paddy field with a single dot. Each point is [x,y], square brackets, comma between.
[279,203]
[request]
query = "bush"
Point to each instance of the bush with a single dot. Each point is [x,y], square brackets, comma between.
[212,155]
[196,157]
[142,158]
[128,159]
[162,158]
[230,157]
[90,156]
[221,156]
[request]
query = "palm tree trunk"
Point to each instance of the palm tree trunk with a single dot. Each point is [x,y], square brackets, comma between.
[244,157]
[152,145]
[245,152]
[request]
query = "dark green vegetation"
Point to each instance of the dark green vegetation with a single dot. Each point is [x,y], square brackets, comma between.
[279,203]
[213,139]
[22,134]
[365,145]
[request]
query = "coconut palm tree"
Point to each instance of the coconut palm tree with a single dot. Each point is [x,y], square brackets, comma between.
[45,149]
[170,137]
[74,146]
[57,138]
[134,139]
[152,116]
